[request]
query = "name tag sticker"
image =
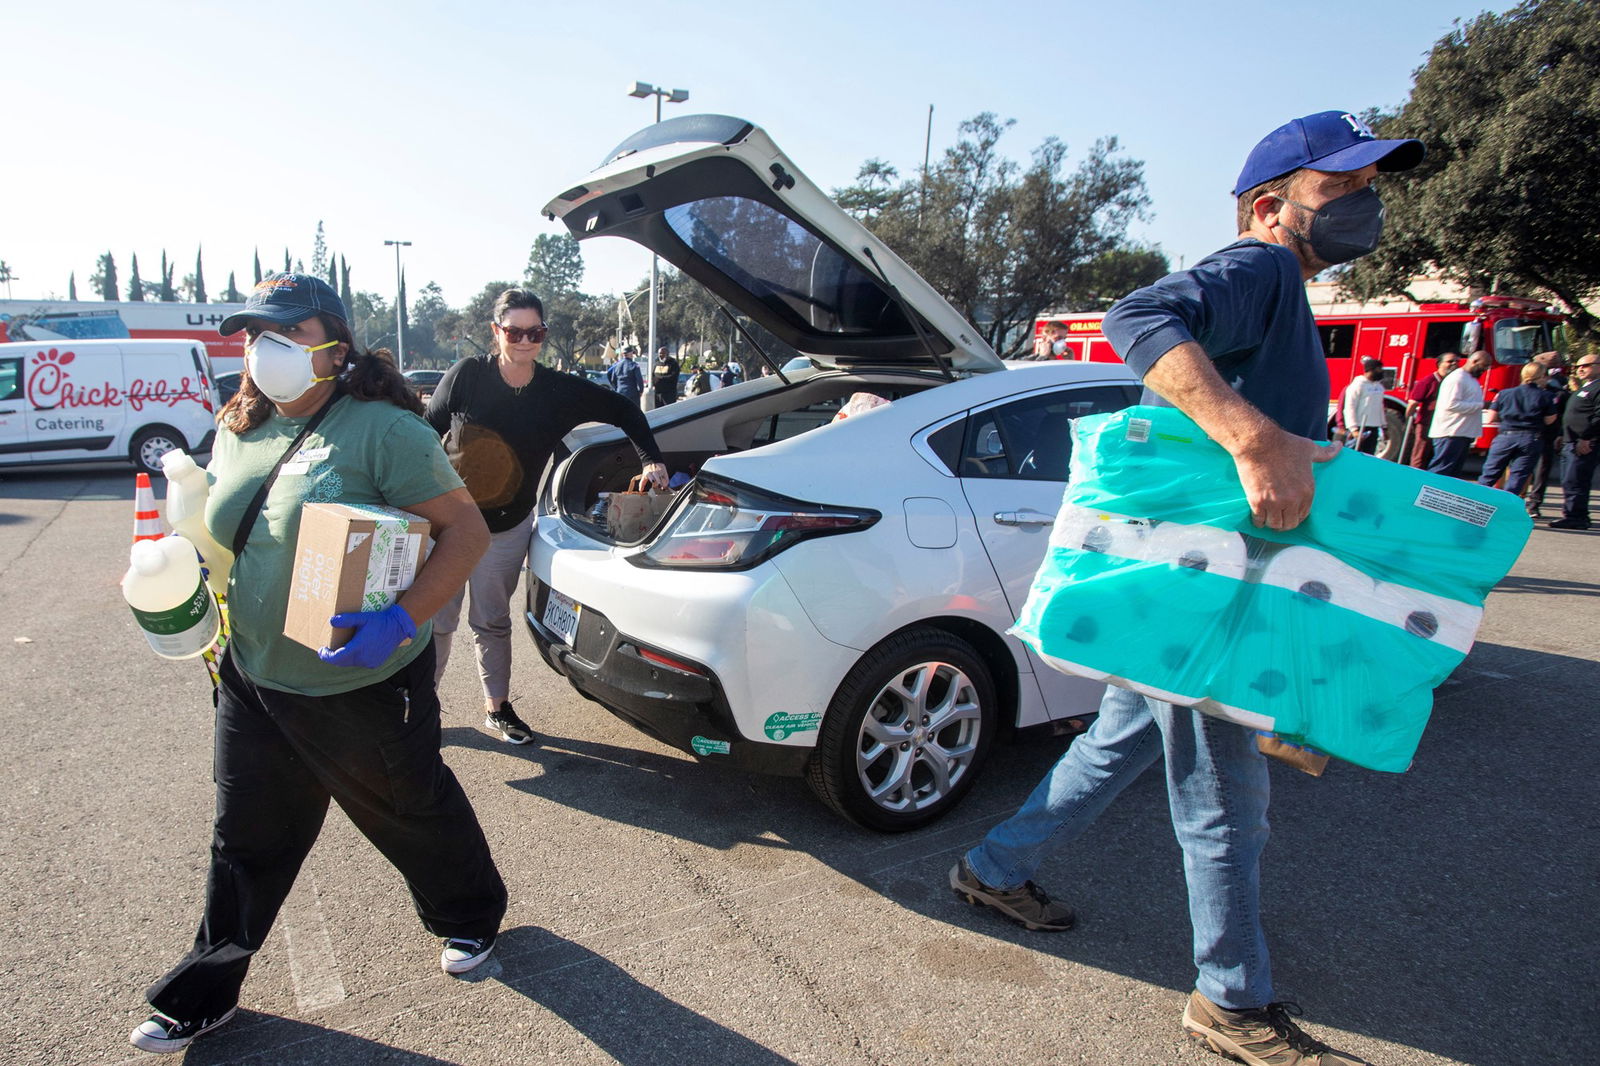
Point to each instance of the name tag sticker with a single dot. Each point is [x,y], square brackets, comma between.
[313,455]
[295,468]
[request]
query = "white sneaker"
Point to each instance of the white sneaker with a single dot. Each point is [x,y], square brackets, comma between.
[461,953]
[161,1035]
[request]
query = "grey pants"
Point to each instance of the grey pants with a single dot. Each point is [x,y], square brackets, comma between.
[492,584]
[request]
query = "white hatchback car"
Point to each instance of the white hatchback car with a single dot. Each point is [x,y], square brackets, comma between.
[824,597]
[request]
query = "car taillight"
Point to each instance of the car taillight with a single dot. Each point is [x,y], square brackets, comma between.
[727,526]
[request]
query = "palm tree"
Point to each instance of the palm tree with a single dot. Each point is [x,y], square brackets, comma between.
[7,276]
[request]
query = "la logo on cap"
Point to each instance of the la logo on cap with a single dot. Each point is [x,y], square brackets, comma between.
[1361,128]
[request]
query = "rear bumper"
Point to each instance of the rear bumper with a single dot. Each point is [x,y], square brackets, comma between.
[683,709]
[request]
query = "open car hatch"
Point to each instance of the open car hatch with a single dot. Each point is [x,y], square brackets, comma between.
[713,196]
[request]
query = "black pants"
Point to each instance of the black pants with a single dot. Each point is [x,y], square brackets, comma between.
[1576,480]
[279,758]
[1549,463]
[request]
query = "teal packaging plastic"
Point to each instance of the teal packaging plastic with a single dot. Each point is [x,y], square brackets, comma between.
[1333,634]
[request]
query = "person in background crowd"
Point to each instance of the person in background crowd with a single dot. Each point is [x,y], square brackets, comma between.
[1555,366]
[1052,343]
[1457,416]
[1581,429]
[1362,406]
[296,727]
[731,374]
[665,377]
[1420,402]
[625,376]
[1305,202]
[1522,413]
[501,415]
[700,380]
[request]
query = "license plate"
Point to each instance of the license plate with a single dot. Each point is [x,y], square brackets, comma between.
[561,616]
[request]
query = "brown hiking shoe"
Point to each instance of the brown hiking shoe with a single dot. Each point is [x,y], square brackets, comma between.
[1028,906]
[1265,1036]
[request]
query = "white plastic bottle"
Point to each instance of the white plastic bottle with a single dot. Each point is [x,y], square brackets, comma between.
[187,490]
[169,598]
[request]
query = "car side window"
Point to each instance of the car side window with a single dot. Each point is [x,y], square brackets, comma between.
[10,379]
[1031,438]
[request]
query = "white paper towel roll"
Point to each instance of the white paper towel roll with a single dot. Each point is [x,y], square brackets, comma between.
[1433,618]
[1319,576]
[1204,548]
[1083,529]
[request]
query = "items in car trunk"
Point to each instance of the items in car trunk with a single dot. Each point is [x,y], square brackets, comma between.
[632,514]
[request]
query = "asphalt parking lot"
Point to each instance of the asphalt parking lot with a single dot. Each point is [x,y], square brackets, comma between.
[664,911]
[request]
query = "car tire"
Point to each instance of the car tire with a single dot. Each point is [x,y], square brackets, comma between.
[150,444]
[1394,428]
[907,732]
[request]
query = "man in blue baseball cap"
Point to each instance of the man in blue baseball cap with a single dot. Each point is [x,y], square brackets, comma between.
[1232,343]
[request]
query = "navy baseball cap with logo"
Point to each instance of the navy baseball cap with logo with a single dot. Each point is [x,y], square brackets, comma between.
[1328,140]
[287,299]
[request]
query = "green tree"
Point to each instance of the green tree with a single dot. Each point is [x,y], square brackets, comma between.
[422,343]
[258,266]
[104,278]
[168,292]
[135,285]
[232,295]
[1000,241]
[72,286]
[1111,275]
[344,282]
[555,266]
[319,252]
[371,320]
[194,285]
[287,266]
[1509,196]
[7,275]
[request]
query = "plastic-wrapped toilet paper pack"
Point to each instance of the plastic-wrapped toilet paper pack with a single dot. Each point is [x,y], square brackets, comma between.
[1332,635]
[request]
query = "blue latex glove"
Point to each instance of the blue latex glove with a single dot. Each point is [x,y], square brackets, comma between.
[377,635]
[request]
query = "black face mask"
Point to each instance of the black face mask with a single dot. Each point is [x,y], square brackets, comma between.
[1344,229]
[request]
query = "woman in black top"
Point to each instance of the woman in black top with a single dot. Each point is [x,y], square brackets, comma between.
[501,416]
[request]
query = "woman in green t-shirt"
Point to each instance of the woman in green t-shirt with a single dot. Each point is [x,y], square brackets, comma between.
[297,727]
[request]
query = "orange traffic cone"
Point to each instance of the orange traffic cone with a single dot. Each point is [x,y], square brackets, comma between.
[146,519]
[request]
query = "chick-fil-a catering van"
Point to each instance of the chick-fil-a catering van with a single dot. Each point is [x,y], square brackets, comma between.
[82,401]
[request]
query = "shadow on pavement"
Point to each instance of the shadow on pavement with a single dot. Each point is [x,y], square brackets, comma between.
[630,1021]
[1556,586]
[254,1039]
[1422,908]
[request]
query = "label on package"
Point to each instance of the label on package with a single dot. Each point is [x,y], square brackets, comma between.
[1453,506]
[1139,430]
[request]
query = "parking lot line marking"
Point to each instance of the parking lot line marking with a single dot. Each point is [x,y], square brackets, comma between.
[313,968]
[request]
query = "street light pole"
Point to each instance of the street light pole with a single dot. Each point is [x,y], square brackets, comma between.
[399,308]
[674,96]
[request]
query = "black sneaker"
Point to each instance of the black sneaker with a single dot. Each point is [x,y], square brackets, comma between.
[1265,1036]
[512,729]
[162,1035]
[1028,906]
[461,953]
[1569,523]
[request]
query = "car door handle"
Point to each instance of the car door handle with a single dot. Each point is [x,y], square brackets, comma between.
[8,410]
[1023,518]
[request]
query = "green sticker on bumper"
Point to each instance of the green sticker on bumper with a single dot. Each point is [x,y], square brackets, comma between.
[788,723]
[707,746]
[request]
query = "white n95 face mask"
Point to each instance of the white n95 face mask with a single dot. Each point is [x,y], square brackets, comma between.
[281,368]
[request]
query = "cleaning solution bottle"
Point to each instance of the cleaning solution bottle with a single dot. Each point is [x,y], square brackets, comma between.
[187,489]
[169,598]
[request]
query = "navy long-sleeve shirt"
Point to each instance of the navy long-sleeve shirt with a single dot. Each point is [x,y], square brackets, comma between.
[499,438]
[1246,306]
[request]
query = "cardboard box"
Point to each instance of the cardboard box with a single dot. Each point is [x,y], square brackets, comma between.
[350,557]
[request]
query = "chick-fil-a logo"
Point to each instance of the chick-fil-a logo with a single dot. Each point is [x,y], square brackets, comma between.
[50,386]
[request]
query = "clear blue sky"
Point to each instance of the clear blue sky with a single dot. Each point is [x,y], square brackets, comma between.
[143,127]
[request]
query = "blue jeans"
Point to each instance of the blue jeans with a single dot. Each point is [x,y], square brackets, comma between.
[1217,791]
[1448,455]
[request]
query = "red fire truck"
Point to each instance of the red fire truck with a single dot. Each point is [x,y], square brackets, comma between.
[1407,339]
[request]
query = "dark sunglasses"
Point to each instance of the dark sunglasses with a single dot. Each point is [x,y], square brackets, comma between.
[536,334]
